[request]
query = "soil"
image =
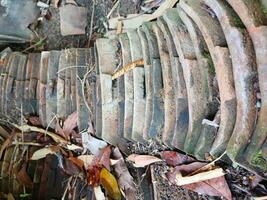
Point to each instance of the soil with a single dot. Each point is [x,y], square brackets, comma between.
[239,179]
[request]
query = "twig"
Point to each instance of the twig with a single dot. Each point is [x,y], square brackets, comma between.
[27,143]
[83,89]
[70,67]
[35,45]
[67,188]
[113,8]
[48,125]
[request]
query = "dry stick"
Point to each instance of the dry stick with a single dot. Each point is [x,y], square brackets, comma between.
[67,187]
[70,67]
[35,45]
[28,143]
[83,88]
[50,122]
[113,8]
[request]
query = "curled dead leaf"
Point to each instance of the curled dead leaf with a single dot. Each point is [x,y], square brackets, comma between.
[174,158]
[125,179]
[70,123]
[93,144]
[213,187]
[70,167]
[142,160]
[93,175]
[42,153]
[77,162]
[87,160]
[23,177]
[109,182]
[184,170]
[105,157]
[35,121]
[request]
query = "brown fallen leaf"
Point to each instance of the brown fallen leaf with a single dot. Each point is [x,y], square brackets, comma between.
[93,144]
[70,123]
[35,121]
[142,160]
[200,177]
[105,157]
[109,182]
[70,167]
[124,178]
[174,158]
[93,175]
[87,160]
[77,162]
[42,153]
[184,170]
[27,128]
[59,131]
[213,187]
[23,177]
[6,143]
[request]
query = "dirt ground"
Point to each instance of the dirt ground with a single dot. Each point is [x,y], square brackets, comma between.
[237,178]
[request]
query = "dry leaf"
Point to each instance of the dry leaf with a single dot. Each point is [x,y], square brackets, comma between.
[77,162]
[35,121]
[42,153]
[23,177]
[255,180]
[70,123]
[200,177]
[59,130]
[7,142]
[105,157]
[93,144]
[213,187]
[27,128]
[87,160]
[99,195]
[184,170]
[142,160]
[174,158]
[113,162]
[93,175]
[110,184]
[125,179]
[73,147]
[70,167]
